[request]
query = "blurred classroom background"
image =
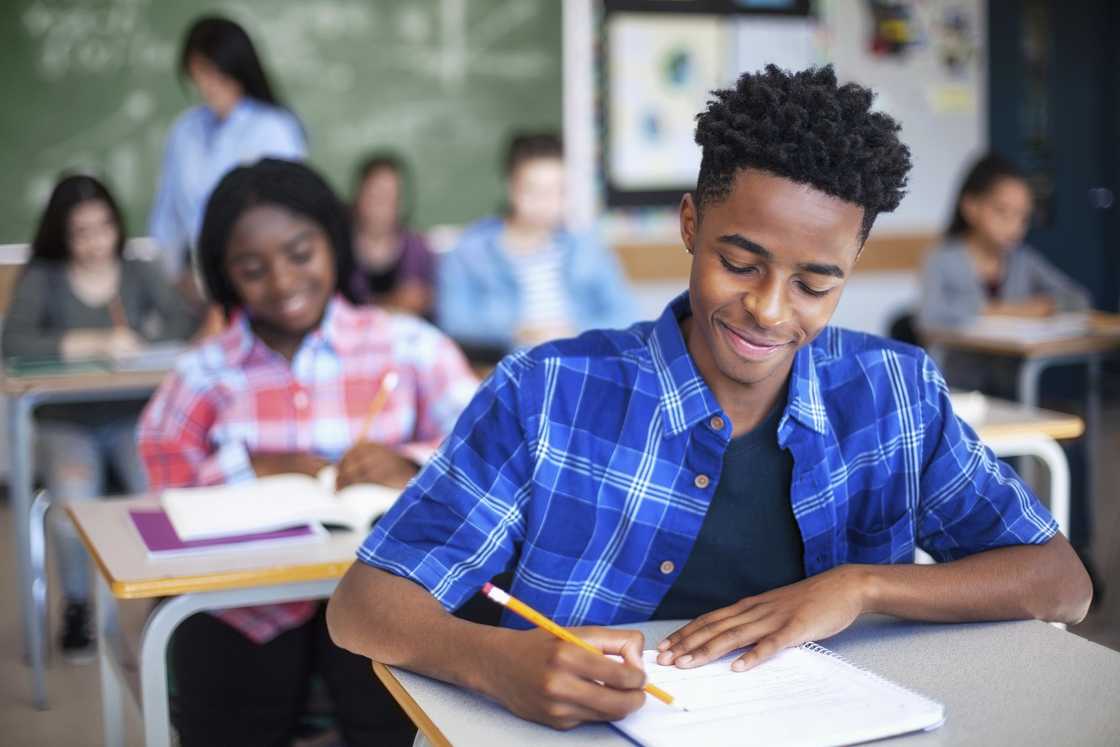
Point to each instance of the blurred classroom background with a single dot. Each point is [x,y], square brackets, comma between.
[92,86]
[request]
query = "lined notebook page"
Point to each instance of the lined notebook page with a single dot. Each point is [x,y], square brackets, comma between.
[803,696]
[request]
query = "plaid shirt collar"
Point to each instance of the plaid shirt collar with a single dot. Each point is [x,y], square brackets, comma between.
[687,400]
[338,332]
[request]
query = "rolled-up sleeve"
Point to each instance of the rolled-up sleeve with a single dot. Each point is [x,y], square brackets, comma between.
[970,501]
[174,439]
[461,521]
[1048,280]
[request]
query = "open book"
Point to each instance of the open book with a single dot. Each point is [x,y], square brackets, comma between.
[272,503]
[1027,331]
[803,696]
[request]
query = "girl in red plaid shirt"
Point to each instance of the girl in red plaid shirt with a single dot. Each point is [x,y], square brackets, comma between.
[287,388]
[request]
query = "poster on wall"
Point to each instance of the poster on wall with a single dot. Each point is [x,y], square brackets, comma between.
[661,68]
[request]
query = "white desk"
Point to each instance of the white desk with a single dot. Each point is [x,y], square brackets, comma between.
[1002,684]
[215,581]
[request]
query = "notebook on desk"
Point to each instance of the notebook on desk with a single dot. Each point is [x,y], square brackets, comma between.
[803,696]
[162,541]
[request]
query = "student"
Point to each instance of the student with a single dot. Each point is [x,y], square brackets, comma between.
[240,120]
[983,268]
[287,388]
[523,278]
[737,462]
[396,268]
[79,298]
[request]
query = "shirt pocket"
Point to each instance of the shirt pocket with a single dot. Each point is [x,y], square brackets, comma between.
[892,542]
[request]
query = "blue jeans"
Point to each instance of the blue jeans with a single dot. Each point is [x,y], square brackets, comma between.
[73,460]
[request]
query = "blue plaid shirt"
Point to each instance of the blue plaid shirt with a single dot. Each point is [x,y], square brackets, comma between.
[585,466]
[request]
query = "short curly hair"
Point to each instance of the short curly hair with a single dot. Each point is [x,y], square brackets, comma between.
[804,127]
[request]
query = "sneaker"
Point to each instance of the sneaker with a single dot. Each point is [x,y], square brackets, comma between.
[78,644]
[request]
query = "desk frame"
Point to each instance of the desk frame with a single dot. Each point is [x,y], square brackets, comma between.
[149,687]
[24,395]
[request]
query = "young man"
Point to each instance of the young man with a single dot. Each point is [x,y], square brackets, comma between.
[736,463]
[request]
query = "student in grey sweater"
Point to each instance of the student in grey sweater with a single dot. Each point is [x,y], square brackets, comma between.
[984,268]
[78,298]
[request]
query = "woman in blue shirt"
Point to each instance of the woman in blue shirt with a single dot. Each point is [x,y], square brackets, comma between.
[523,278]
[240,120]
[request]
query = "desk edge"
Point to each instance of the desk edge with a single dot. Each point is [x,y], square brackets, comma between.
[425,724]
[163,587]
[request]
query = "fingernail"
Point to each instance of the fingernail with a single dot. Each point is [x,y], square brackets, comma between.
[685,659]
[738,665]
[663,645]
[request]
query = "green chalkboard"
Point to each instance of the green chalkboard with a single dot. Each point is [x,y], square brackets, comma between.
[92,84]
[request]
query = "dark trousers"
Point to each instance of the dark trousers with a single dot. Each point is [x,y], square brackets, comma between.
[232,691]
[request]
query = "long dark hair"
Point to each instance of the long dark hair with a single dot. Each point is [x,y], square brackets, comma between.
[271,181]
[389,161]
[52,238]
[228,47]
[983,175]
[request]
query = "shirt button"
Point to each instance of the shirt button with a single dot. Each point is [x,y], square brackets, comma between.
[716,423]
[667,567]
[702,481]
[299,399]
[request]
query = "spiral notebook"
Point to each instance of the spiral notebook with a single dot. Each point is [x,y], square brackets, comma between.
[805,696]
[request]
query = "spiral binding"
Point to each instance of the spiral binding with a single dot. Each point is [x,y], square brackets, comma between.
[819,649]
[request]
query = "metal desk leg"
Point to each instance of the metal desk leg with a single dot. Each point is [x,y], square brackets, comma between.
[166,618]
[110,662]
[1030,373]
[37,550]
[1092,428]
[20,428]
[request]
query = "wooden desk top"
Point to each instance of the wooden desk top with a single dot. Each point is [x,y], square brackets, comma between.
[69,379]
[1008,419]
[1104,336]
[116,547]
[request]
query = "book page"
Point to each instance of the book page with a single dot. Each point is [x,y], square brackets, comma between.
[800,697]
[261,505]
[274,502]
[1027,331]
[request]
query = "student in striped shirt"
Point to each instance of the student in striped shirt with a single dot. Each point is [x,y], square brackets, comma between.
[524,278]
[287,388]
[737,463]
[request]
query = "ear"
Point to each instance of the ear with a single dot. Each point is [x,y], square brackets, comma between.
[689,220]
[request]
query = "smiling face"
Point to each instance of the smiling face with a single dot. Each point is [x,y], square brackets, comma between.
[769,263]
[379,201]
[281,266]
[92,233]
[536,193]
[218,91]
[1000,217]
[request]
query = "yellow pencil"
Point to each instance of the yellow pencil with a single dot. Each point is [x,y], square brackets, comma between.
[494,594]
[388,383]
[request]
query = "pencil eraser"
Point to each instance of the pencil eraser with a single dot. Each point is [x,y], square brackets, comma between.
[486,588]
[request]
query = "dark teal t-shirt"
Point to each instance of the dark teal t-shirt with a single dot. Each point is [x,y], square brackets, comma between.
[749,542]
